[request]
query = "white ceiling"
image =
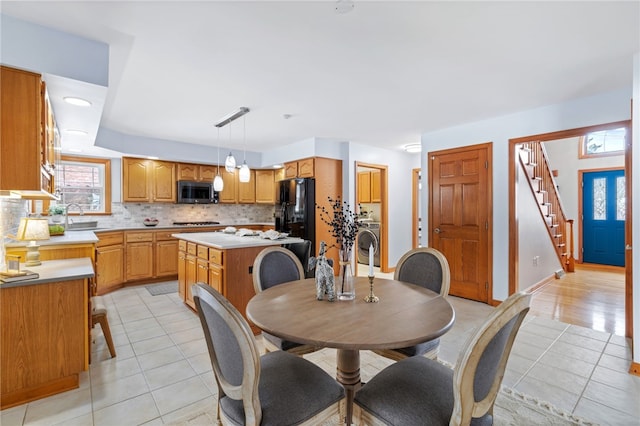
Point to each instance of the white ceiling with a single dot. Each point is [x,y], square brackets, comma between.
[381,75]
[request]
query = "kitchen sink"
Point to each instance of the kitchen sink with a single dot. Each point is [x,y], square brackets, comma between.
[82,226]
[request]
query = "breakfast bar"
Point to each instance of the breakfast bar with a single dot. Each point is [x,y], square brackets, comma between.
[224,261]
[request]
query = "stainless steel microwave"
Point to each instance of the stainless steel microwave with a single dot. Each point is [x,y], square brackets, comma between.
[190,192]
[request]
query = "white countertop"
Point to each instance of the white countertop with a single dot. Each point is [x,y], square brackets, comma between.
[220,240]
[56,270]
[69,237]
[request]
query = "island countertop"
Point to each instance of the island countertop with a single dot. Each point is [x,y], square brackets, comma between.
[223,241]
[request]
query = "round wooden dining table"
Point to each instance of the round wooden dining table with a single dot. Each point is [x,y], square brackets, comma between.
[405,315]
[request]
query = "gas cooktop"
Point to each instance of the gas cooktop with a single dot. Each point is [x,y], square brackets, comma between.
[203,223]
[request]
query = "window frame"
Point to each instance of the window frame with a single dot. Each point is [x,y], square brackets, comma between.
[106,163]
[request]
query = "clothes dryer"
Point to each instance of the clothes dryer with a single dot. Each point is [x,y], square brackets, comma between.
[369,233]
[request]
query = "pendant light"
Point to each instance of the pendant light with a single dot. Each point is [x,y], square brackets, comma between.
[218,183]
[245,172]
[230,162]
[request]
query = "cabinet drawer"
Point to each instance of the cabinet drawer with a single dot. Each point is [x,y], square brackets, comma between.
[192,248]
[182,245]
[110,238]
[215,256]
[203,252]
[136,237]
[164,235]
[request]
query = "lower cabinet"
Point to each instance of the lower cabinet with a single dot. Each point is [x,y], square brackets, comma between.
[139,255]
[109,262]
[166,254]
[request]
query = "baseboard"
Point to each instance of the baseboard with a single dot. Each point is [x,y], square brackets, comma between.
[635,369]
[541,284]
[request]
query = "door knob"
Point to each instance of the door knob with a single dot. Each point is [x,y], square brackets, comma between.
[437,230]
[628,247]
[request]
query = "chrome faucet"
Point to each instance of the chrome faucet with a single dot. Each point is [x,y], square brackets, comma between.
[66,213]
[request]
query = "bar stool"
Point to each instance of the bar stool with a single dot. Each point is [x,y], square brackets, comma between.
[99,315]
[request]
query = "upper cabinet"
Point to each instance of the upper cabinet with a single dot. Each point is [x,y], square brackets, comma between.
[300,169]
[27,135]
[369,186]
[148,181]
[196,172]
[265,187]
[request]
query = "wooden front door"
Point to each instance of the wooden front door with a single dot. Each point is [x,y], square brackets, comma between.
[460,217]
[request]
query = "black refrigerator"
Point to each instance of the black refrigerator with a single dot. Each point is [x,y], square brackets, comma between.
[295,209]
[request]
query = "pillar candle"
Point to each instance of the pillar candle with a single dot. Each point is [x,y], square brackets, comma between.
[371,259]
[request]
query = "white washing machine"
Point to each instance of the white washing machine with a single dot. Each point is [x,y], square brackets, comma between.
[369,233]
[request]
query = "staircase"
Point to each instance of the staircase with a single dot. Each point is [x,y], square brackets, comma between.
[535,163]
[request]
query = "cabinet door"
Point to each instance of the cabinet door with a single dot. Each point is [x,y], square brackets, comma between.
[164,181]
[166,258]
[191,279]
[136,184]
[182,274]
[215,277]
[202,273]
[247,190]
[305,168]
[375,186]
[22,131]
[109,268]
[364,187]
[265,187]
[229,192]
[139,261]
[291,170]
[207,173]
[187,171]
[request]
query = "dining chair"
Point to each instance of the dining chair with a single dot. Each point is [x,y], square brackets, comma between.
[276,265]
[426,267]
[422,391]
[303,253]
[277,388]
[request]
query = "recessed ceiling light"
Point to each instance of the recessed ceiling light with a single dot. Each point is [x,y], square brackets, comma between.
[76,132]
[277,166]
[344,6]
[74,150]
[77,101]
[413,147]
[150,157]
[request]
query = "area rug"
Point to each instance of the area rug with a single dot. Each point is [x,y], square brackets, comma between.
[512,408]
[163,288]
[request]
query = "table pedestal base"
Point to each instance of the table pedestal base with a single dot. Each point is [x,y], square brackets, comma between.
[348,375]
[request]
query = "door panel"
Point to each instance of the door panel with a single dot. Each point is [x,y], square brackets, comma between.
[459,211]
[604,213]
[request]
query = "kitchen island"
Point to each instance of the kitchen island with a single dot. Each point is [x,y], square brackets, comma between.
[44,340]
[223,261]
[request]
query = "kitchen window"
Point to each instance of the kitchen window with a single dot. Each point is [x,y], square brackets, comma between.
[86,182]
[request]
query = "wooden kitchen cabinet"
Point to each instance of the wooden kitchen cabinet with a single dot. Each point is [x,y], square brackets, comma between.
[375,186]
[191,271]
[216,269]
[148,181]
[364,187]
[109,262]
[182,270]
[23,138]
[229,192]
[247,190]
[265,187]
[301,168]
[139,255]
[166,254]
[196,172]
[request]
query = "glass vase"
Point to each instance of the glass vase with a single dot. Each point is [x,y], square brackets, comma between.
[345,283]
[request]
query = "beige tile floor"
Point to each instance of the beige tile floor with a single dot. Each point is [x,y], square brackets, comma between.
[162,372]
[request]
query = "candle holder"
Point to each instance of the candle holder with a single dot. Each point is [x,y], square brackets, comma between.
[371,298]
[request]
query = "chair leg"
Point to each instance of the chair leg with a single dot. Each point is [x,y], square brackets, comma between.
[104,324]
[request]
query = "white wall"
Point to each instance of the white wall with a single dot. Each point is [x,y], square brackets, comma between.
[563,157]
[605,108]
[533,238]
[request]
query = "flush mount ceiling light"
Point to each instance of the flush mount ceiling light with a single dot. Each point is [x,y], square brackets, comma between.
[230,162]
[76,132]
[344,6]
[413,147]
[245,172]
[77,101]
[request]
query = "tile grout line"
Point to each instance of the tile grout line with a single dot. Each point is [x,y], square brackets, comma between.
[591,375]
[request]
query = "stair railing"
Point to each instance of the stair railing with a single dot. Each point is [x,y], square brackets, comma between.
[535,162]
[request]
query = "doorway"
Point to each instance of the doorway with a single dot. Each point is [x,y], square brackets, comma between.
[371,199]
[513,217]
